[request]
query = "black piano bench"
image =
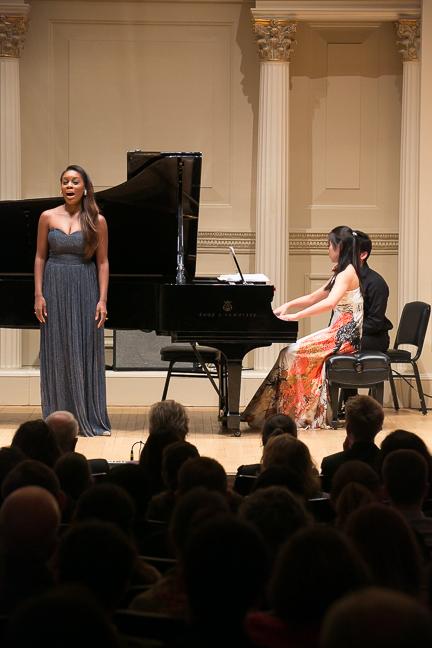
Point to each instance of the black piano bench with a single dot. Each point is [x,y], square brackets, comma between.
[201,356]
[355,370]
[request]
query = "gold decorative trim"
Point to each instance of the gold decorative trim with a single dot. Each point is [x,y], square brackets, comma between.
[408,38]
[275,38]
[12,35]
[217,242]
[214,242]
[304,242]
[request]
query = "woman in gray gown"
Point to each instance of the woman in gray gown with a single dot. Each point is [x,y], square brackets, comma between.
[71,284]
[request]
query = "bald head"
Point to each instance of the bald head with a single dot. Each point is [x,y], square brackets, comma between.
[65,428]
[29,521]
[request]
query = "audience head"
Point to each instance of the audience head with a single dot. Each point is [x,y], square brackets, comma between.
[276,514]
[279,422]
[280,476]
[202,472]
[192,509]
[36,441]
[29,522]
[173,458]
[405,476]
[9,458]
[100,556]
[225,572]
[132,479]
[388,546]
[377,618]
[291,453]
[32,473]
[73,472]
[364,418]
[352,497]
[65,429]
[315,568]
[169,415]
[404,440]
[151,457]
[65,616]
[107,503]
[357,472]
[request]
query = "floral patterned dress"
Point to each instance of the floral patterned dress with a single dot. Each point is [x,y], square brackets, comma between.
[296,385]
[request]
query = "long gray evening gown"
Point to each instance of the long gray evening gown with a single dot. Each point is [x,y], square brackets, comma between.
[72,363]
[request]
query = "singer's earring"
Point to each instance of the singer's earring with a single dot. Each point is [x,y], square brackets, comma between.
[85,192]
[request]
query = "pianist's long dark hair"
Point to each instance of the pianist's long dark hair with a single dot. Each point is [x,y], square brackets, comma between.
[89,211]
[347,240]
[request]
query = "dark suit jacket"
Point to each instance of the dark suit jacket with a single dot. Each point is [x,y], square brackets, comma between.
[359,451]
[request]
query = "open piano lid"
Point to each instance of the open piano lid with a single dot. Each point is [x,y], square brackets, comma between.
[141,215]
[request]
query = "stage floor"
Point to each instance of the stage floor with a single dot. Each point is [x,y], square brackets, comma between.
[130,424]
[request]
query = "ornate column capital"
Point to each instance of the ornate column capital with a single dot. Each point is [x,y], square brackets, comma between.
[408,38]
[12,35]
[275,38]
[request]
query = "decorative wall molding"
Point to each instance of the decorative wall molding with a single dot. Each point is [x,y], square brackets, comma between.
[408,39]
[213,242]
[275,38]
[317,242]
[337,10]
[13,30]
[217,242]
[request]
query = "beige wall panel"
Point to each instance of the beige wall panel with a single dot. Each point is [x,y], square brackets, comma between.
[345,128]
[101,78]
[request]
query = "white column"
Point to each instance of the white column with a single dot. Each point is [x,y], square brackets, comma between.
[408,34]
[275,40]
[13,24]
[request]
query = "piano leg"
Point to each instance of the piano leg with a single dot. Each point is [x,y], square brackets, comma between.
[232,420]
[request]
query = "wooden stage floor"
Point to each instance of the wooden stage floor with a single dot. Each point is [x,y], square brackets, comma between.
[130,424]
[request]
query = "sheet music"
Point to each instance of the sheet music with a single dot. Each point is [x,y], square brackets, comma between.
[249,278]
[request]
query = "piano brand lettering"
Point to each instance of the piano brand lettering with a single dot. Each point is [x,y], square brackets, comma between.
[227,315]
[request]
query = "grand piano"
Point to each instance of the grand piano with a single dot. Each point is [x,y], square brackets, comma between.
[153,229]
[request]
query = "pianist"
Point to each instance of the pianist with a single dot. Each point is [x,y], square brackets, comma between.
[296,384]
[70,304]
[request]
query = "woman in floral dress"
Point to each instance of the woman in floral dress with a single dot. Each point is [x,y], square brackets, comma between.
[296,385]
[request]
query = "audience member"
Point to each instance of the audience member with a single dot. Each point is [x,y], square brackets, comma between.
[388,546]
[276,514]
[66,616]
[65,429]
[292,454]
[225,571]
[315,568]
[151,457]
[404,440]
[29,522]
[273,426]
[377,618]
[167,595]
[352,497]
[107,503]
[171,416]
[357,472]
[33,473]
[204,472]
[9,458]
[73,473]
[364,419]
[405,476]
[174,456]
[36,441]
[99,556]
[132,479]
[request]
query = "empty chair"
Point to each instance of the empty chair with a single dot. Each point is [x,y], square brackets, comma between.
[411,330]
